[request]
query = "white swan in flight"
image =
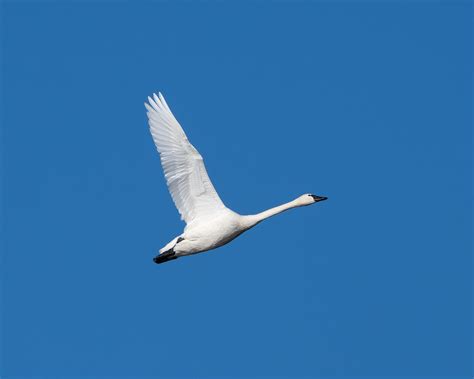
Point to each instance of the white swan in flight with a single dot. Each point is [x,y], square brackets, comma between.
[209,223]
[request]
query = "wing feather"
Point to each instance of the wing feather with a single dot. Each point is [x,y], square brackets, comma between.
[188,182]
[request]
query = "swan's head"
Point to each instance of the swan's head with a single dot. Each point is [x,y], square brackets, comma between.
[308,199]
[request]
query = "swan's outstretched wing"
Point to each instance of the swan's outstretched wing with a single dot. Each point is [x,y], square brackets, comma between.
[185,173]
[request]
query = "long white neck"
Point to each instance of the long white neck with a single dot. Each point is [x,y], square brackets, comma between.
[253,220]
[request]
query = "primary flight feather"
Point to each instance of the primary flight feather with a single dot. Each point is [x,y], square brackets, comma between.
[209,223]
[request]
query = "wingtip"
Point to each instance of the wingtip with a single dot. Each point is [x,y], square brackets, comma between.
[148,107]
[158,102]
[160,97]
[153,102]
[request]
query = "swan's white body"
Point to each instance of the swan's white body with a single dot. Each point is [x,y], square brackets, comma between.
[209,223]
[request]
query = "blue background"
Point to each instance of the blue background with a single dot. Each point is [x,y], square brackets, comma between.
[366,103]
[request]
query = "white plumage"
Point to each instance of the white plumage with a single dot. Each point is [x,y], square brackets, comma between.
[209,223]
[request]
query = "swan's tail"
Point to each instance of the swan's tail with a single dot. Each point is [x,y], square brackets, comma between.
[169,245]
[167,253]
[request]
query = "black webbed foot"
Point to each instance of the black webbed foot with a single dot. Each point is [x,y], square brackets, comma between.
[165,257]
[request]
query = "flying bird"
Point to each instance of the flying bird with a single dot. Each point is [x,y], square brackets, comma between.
[209,223]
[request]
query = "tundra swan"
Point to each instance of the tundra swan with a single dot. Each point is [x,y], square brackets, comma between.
[209,223]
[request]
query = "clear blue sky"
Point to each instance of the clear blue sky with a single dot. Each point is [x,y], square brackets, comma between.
[366,103]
